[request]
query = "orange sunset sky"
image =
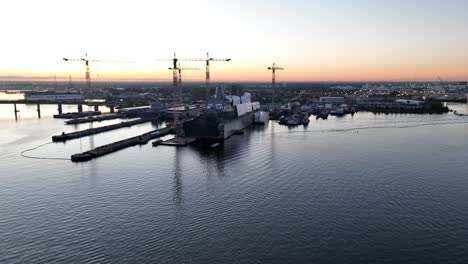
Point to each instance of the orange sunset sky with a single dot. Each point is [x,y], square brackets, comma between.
[321,40]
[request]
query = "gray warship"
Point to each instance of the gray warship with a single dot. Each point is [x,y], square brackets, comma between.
[222,116]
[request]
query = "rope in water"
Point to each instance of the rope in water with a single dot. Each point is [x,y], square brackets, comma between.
[23,153]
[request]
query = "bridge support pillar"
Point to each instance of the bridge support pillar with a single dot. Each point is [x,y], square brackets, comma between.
[59,108]
[16,112]
[96,108]
[112,110]
[38,110]
[80,108]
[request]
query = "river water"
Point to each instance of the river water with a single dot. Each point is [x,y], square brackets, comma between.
[363,189]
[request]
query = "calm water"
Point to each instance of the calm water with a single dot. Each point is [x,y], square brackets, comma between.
[363,189]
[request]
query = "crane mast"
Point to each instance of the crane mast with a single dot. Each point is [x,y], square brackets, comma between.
[273,69]
[175,77]
[178,91]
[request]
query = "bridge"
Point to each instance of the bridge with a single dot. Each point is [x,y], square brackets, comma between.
[59,104]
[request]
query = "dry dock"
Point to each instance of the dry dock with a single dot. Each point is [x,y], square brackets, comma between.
[122,144]
[92,131]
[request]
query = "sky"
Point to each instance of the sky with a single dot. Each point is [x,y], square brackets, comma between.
[314,40]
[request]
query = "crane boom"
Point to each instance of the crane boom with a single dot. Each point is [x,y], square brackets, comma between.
[87,71]
[82,59]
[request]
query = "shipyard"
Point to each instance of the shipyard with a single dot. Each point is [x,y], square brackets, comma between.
[208,113]
[287,132]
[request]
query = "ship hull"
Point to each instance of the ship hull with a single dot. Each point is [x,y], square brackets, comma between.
[212,126]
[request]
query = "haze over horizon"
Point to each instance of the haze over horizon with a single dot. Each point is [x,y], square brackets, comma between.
[323,40]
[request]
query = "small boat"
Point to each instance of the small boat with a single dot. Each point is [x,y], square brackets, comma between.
[261,118]
[323,114]
[215,145]
[337,112]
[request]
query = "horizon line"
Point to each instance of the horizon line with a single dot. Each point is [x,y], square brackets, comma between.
[16,78]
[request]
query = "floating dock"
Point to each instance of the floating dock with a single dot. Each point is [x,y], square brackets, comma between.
[77,114]
[92,131]
[122,144]
[91,119]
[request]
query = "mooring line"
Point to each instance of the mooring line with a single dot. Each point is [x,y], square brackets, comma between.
[23,153]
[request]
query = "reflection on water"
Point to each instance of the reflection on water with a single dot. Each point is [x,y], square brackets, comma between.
[178,188]
[397,190]
[11,95]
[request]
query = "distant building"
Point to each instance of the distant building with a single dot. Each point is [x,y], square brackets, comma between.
[332,100]
[53,96]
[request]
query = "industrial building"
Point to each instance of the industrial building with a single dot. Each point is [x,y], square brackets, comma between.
[332,100]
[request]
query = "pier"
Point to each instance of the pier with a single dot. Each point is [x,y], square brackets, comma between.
[122,144]
[92,131]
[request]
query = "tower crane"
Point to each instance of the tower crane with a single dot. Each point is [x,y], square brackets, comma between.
[87,71]
[273,69]
[207,74]
[179,69]
[207,60]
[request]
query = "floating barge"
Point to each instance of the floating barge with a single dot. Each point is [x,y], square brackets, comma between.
[92,131]
[122,144]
